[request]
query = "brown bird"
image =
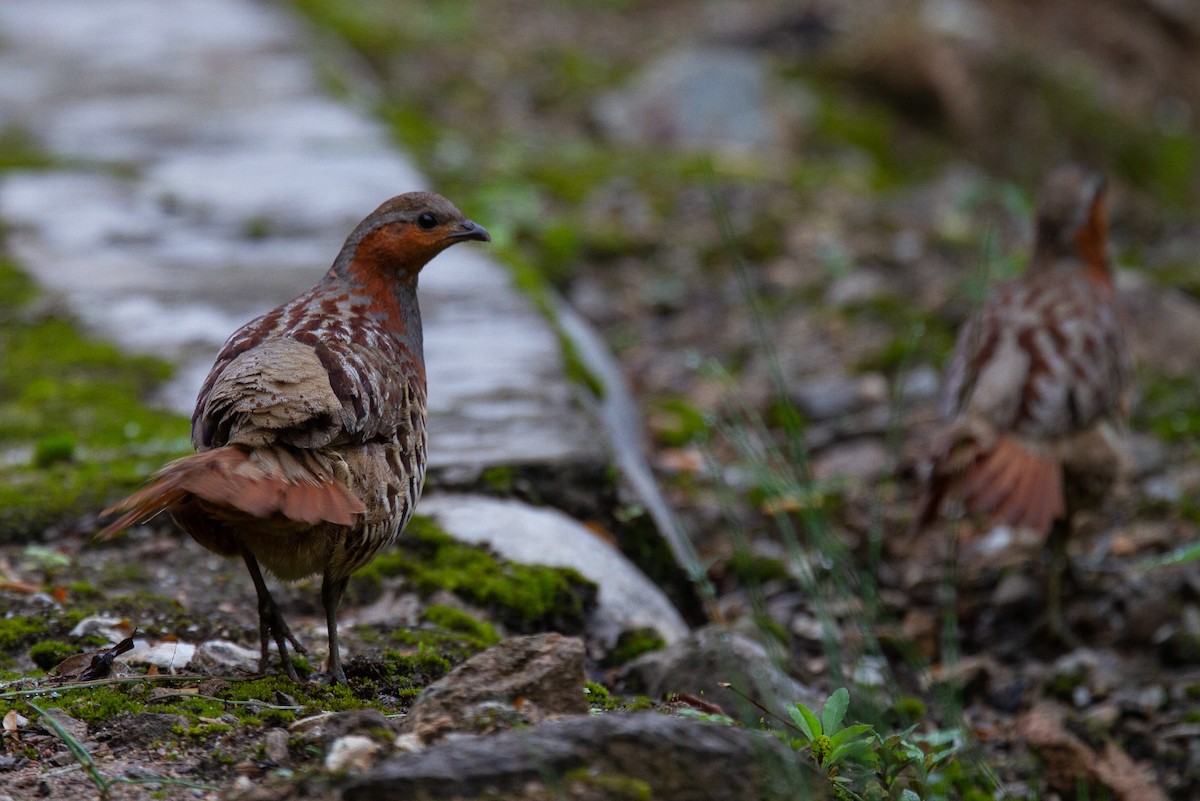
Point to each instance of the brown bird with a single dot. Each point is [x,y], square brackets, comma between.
[1035,375]
[310,428]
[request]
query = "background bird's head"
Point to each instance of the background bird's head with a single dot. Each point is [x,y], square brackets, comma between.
[403,234]
[1072,220]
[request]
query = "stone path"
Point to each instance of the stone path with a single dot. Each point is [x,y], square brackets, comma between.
[203,177]
[206,178]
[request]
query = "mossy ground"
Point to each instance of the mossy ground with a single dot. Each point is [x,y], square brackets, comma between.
[522,597]
[76,428]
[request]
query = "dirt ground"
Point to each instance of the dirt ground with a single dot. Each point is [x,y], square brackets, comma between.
[912,138]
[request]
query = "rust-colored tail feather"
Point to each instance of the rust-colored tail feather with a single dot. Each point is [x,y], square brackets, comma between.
[997,476]
[1016,485]
[257,483]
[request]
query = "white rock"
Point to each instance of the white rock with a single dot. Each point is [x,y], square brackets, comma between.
[114,629]
[169,655]
[221,656]
[522,533]
[352,752]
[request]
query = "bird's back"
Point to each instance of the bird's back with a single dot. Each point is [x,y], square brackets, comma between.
[327,384]
[1043,359]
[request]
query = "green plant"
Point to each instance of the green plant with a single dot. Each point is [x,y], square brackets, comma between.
[862,764]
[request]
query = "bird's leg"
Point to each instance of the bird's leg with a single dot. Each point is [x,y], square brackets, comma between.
[331,597]
[270,622]
[1055,620]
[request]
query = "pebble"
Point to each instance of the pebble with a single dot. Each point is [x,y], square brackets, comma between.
[223,656]
[275,745]
[859,460]
[354,752]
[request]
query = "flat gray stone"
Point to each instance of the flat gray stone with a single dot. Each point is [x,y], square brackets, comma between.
[522,533]
[517,681]
[675,758]
[712,655]
[210,180]
[697,98]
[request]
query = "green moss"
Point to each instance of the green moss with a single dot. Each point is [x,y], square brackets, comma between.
[17,290]
[17,630]
[77,406]
[501,479]
[49,653]
[610,785]
[477,632]
[1168,408]
[598,697]
[94,705]
[754,570]
[632,644]
[19,150]
[523,597]
[677,422]
[84,591]
[399,676]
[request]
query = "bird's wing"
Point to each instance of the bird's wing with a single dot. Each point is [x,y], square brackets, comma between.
[1042,359]
[989,369]
[277,392]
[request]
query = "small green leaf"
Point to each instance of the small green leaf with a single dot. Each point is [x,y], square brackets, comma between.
[859,751]
[853,732]
[805,721]
[835,710]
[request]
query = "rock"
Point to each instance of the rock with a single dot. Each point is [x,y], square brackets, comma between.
[1069,763]
[523,679]
[367,722]
[656,755]
[627,600]
[858,287]
[73,728]
[354,752]
[696,98]
[921,383]
[1016,589]
[860,460]
[114,629]
[275,745]
[169,655]
[715,654]
[825,398]
[223,657]
[1164,322]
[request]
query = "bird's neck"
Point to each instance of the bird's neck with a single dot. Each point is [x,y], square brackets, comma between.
[385,300]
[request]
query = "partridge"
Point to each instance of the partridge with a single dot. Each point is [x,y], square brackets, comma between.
[1036,375]
[310,428]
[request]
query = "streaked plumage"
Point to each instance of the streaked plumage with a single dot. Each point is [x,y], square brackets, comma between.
[311,424]
[1044,361]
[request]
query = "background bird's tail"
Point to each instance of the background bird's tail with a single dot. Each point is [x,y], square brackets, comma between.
[259,483]
[998,476]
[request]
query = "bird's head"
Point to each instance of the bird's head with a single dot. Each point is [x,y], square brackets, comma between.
[1072,218]
[402,235]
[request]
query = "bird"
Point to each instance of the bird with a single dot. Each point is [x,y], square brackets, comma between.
[1038,381]
[310,429]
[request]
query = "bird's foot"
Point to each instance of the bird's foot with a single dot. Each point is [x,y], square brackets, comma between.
[272,626]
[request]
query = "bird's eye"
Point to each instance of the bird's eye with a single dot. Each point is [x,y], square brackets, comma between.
[427,221]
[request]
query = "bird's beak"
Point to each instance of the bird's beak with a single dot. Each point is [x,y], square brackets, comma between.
[469,230]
